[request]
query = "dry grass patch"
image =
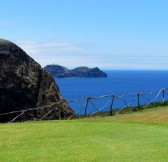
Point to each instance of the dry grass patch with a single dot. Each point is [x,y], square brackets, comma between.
[159,115]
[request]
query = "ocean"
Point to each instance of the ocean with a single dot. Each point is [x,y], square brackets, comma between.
[118,83]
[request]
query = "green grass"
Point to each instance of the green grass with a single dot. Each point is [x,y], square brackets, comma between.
[120,138]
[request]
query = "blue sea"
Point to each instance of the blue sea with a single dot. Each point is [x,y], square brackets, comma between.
[118,83]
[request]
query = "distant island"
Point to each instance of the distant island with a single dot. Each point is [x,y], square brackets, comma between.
[83,72]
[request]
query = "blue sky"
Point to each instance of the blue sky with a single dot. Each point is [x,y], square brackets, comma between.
[110,34]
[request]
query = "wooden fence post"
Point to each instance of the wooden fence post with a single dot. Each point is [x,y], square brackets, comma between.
[111,105]
[23,116]
[163,96]
[87,102]
[138,96]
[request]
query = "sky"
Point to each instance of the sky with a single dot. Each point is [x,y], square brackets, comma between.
[110,34]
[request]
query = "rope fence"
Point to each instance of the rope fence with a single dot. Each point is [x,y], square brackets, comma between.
[111,104]
[115,104]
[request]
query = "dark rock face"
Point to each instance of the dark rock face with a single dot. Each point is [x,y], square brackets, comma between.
[62,72]
[24,85]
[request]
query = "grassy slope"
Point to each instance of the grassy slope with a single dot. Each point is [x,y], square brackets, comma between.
[159,115]
[118,138]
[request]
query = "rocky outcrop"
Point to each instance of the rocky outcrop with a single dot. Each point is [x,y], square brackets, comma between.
[25,85]
[62,72]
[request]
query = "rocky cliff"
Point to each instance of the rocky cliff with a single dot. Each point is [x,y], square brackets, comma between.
[62,72]
[24,85]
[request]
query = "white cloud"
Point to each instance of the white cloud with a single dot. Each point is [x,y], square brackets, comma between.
[52,52]
[33,47]
[71,55]
[4,23]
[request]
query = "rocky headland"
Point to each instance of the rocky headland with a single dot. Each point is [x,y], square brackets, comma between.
[85,72]
[25,85]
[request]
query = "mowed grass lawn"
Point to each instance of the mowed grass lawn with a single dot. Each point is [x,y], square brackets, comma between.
[141,136]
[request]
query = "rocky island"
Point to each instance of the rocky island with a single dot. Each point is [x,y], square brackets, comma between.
[26,89]
[58,71]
